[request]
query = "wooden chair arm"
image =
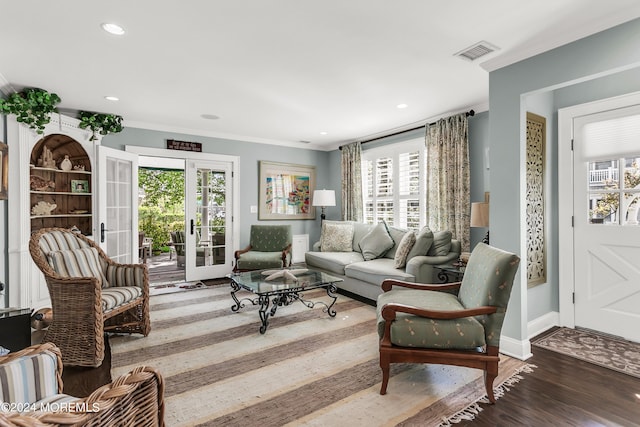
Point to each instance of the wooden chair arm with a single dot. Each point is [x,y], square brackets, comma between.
[387,284]
[389,312]
[239,252]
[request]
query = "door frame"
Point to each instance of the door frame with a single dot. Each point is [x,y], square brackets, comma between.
[566,257]
[194,156]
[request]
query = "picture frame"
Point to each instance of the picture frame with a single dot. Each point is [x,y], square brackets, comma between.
[285,191]
[79,186]
[4,171]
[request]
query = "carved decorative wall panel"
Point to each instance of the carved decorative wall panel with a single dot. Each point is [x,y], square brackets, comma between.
[536,246]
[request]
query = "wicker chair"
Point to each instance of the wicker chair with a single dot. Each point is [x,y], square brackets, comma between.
[34,379]
[90,294]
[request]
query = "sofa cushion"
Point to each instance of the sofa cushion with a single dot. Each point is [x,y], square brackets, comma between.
[332,261]
[407,242]
[441,243]
[114,297]
[29,378]
[82,262]
[375,271]
[396,234]
[424,240]
[376,242]
[359,231]
[414,331]
[337,236]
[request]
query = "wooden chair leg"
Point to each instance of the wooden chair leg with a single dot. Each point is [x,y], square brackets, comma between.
[488,384]
[384,365]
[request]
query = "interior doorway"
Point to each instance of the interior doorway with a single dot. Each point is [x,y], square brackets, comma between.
[598,189]
[161,219]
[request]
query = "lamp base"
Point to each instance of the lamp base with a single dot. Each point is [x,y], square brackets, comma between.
[322,215]
[486,238]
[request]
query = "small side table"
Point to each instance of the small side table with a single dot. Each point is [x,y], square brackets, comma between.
[15,328]
[450,272]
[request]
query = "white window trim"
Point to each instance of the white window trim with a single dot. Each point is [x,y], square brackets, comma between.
[394,151]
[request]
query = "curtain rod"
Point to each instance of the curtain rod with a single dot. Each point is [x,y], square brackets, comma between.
[469,113]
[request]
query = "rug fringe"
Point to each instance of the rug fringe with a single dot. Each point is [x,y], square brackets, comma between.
[469,413]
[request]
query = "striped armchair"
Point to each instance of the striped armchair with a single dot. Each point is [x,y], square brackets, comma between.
[90,294]
[32,392]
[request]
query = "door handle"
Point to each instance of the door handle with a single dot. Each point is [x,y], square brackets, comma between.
[102,230]
[193,226]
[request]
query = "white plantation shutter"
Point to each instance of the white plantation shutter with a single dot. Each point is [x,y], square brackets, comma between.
[397,194]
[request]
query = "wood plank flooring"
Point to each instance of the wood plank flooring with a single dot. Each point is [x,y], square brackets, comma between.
[564,391]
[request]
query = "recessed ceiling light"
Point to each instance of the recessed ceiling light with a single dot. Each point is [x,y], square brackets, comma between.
[113,29]
[209,116]
[323,133]
[401,106]
[112,98]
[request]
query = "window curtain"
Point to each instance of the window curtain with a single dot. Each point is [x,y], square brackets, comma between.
[448,182]
[352,183]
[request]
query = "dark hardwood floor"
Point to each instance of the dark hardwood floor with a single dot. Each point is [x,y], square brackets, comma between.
[564,391]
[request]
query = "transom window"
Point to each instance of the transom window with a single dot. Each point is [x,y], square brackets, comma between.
[394,188]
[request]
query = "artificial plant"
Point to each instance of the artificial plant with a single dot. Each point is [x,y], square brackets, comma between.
[31,106]
[102,123]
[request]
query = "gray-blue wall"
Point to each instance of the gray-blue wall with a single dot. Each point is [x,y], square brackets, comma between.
[605,53]
[250,154]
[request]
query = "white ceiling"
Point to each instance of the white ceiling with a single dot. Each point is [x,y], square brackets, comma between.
[282,71]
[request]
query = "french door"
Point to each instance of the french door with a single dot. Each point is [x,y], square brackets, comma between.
[606,176]
[117,232]
[209,220]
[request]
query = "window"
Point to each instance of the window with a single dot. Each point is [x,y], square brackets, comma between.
[394,184]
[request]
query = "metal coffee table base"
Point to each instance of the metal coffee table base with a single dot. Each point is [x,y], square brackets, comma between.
[278,299]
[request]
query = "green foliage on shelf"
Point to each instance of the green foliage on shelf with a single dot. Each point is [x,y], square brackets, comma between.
[32,106]
[101,123]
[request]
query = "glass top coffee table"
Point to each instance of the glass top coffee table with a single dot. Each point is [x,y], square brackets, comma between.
[282,290]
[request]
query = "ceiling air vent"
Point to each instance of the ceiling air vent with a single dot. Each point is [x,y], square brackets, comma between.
[476,51]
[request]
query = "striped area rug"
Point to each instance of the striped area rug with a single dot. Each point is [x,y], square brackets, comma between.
[308,369]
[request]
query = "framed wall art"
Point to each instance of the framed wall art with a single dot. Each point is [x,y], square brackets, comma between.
[79,186]
[285,191]
[4,171]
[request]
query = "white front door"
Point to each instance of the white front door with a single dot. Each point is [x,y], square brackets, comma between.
[117,232]
[606,177]
[208,237]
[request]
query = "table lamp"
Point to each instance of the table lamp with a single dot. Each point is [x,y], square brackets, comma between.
[480,217]
[324,198]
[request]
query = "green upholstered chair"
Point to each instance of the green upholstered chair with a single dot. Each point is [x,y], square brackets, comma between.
[451,324]
[269,247]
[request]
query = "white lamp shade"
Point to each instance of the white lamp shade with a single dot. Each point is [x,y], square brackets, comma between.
[324,198]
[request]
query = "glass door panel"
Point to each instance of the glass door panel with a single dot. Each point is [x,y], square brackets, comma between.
[117,232]
[208,240]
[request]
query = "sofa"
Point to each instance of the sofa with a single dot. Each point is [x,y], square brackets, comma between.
[364,255]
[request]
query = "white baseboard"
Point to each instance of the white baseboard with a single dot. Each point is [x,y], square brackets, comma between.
[543,323]
[515,348]
[522,349]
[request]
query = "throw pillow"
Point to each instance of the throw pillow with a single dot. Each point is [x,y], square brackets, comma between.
[376,242]
[424,239]
[441,243]
[83,262]
[359,231]
[336,236]
[403,249]
[396,234]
